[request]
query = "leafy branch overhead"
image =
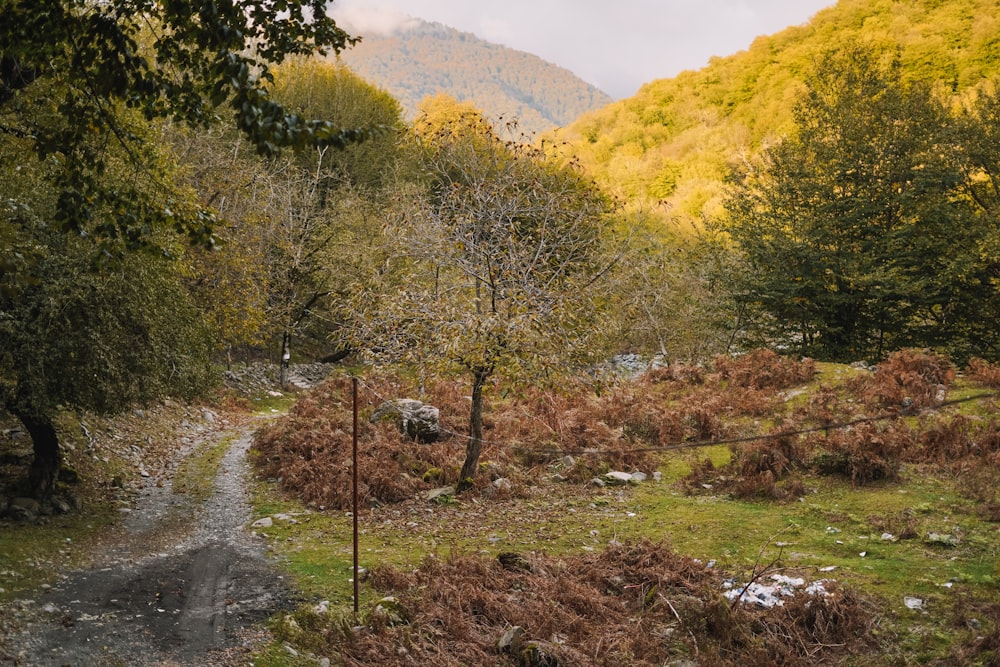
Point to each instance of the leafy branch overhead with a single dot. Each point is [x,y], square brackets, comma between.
[73,73]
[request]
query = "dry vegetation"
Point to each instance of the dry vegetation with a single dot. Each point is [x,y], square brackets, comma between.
[620,426]
[640,603]
[630,605]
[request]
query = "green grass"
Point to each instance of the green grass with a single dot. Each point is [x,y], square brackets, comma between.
[195,476]
[32,555]
[831,526]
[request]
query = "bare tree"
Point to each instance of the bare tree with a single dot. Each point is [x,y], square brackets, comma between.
[498,256]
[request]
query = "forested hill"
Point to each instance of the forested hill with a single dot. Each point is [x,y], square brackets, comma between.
[419,59]
[673,140]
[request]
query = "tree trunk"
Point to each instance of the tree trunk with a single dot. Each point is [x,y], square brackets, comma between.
[47,459]
[475,445]
[286,358]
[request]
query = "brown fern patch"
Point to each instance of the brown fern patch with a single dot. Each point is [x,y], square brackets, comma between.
[640,604]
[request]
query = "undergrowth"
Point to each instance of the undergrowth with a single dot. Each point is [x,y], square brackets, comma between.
[638,604]
[878,473]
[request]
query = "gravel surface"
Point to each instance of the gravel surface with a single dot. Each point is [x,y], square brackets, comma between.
[178,584]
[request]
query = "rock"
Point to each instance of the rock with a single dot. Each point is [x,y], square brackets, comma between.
[942,538]
[537,654]
[513,562]
[503,484]
[209,416]
[491,470]
[68,475]
[418,420]
[657,476]
[566,462]
[24,509]
[598,482]
[50,608]
[638,477]
[60,506]
[391,611]
[510,642]
[266,522]
[441,493]
[287,518]
[618,478]
[913,603]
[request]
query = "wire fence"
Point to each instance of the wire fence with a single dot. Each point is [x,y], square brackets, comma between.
[697,444]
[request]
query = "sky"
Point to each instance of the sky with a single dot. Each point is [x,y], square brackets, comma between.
[616,45]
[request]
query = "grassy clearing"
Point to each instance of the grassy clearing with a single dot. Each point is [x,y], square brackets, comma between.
[914,532]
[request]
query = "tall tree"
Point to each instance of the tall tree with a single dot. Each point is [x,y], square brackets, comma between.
[499,256]
[855,237]
[286,228]
[80,84]
[67,68]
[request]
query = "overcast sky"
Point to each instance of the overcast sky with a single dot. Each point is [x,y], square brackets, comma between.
[616,45]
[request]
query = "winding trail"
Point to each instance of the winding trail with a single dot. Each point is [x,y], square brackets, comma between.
[182,584]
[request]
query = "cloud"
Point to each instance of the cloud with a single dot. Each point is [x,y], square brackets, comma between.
[379,21]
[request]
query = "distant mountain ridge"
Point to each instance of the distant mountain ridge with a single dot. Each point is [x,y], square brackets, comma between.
[418,59]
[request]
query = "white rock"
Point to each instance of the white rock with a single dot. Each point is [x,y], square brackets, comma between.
[266,522]
[618,477]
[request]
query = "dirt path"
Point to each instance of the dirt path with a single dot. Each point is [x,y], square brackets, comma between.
[179,585]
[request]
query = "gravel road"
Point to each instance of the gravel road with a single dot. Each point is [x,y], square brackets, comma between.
[180,584]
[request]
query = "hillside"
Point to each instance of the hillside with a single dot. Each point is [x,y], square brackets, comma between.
[673,141]
[420,59]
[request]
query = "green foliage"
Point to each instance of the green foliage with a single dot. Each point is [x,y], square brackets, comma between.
[68,68]
[856,234]
[724,113]
[99,340]
[318,89]
[499,249]
[298,226]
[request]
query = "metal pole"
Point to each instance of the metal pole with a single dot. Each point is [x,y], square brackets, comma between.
[354,442]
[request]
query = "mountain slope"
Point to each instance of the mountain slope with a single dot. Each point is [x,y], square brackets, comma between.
[675,139]
[418,59]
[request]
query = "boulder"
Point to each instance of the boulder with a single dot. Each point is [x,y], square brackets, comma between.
[418,420]
[510,642]
[24,509]
[619,478]
[390,611]
[441,494]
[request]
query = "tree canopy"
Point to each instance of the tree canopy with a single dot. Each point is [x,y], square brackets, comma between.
[498,250]
[676,137]
[857,231]
[86,89]
[68,69]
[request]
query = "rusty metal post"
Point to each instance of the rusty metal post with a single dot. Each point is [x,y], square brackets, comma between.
[354,442]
